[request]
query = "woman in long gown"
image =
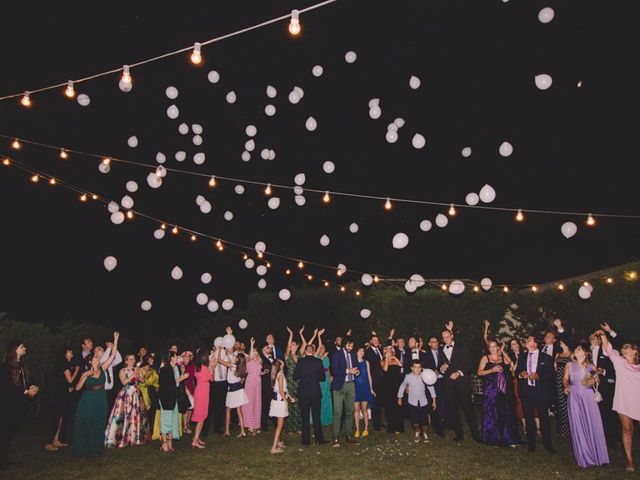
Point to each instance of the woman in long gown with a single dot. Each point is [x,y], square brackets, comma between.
[67,373]
[252,411]
[326,403]
[92,410]
[391,380]
[202,374]
[169,418]
[294,421]
[499,422]
[587,433]
[562,412]
[128,424]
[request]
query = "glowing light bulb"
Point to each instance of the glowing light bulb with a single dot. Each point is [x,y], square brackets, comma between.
[288,271]
[70,91]
[219,244]
[309,277]
[106,161]
[260,254]
[633,275]
[376,279]
[294,24]
[387,204]
[452,210]
[300,264]
[326,198]
[196,56]
[245,257]
[6,161]
[52,181]
[26,100]
[609,280]
[212,181]
[590,220]
[83,197]
[476,288]
[94,196]
[444,287]
[519,216]
[505,289]
[126,76]
[16,145]
[343,289]
[63,154]
[561,287]
[220,248]
[585,284]
[193,238]
[534,289]
[268,264]
[267,190]
[325,283]
[35,178]
[163,226]
[129,214]
[174,230]
[357,293]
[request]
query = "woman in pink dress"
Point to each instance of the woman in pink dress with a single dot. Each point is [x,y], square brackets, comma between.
[253,388]
[201,395]
[625,398]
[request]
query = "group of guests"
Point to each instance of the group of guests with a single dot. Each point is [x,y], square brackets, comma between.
[345,387]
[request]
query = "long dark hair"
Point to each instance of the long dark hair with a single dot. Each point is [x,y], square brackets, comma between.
[202,358]
[11,359]
[241,365]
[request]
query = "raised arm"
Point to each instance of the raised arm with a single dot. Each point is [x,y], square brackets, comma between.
[114,351]
[289,342]
[303,342]
[320,332]
[485,332]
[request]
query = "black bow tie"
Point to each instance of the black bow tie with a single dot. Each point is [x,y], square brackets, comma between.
[448,346]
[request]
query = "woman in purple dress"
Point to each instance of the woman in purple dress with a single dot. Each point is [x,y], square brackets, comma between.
[587,434]
[499,421]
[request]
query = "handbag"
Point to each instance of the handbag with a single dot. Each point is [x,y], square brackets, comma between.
[596,394]
[183,400]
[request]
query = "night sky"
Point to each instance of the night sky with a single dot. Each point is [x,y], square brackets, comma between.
[574,147]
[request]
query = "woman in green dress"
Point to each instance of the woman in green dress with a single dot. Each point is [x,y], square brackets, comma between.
[92,411]
[294,421]
[326,405]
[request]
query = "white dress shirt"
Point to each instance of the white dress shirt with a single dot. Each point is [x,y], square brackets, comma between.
[532,365]
[548,349]
[109,381]
[220,373]
[417,396]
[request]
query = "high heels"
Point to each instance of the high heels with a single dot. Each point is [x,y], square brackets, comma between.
[197,445]
[241,434]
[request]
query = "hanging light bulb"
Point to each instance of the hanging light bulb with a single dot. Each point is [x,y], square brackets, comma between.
[505,289]
[129,214]
[35,178]
[444,287]
[609,280]
[476,288]
[590,220]
[106,161]
[300,264]
[6,161]
[174,230]
[376,279]
[70,91]
[534,289]
[268,264]
[294,24]
[267,190]
[196,56]
[193,238]
[326,198]
[219,244]
[325,283]
[63,154]
[452,210]
[83,197]
[94,196]
[16,145]
[163,226]
[342,288]
[357,293]
[260,254]
[52,181]
[519,216]
[126,76]
[212,181]
[309,277]
[220,247]
[288,271]
[387,204]
[26,100]
[632,275]
[561,287]
[245,257]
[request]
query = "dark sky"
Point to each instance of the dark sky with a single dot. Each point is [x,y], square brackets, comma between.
[574,148]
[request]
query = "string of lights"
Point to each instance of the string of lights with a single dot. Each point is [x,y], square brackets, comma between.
[196,57]
[212,178]
[35,175]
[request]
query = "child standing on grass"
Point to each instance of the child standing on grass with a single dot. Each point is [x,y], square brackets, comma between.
[279,406]
[419,400]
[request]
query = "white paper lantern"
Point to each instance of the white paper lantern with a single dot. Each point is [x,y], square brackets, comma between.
[196,128]
[213,76]
[273,203]
[227,304]
[392,126]
[299,179]
[317,70]
[246,156]
[260,247]
[300,200]
[328,167]
[131,186]
[200,200]
[442,220]
[294,97]
[399,122]
[400,240]
[543,81]
[262,284]
[228,216]
[456,287]
[342,268]
[146,305]
[472,198]
[239,189]
[205,207]
[113,207]
[251,130]
[228,341]
[546,15]
[375,112]
[299,91]
[127,202]
[366,279]
[486,284]
[410,286]
[487,194]
[584,293]
[418,280]
[425,225]
[199,158]
[231,97]
[414,82]
[84,100]
[505,149]
[249,145]
[202,299]
[298,190]
[418,141]
[183,129]
[160,157]
[365,313]
[324,240]
[391,136]
[373,102]
[466,152]
[271,91]
[569,229]
[117,218]
[272,154]
[353,228]
[350,56]
[212,306]
[161,171]
[110,263]
[132,141]
[171,93]
[197,140]
[206,278]
[429,377]
[249,263]
[311,124]
[158,234]
[176,273]
[589,286]
[218,341]
[284,294]
[261,270]
[243,324]
[265,153]
[104,167]
[270,110]
[180,156]
[173,112]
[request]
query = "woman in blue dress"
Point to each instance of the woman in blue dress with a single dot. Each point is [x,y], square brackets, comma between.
[364,395]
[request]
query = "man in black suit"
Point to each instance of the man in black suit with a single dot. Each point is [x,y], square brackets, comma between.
[606,388]
[434,359]
[310,372]
[536,375]
[374,356]
[268,356]
[457,386]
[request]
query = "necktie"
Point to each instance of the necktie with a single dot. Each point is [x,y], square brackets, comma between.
[108,372]
[220,372]
[350,375]
[530,368]
[402,361]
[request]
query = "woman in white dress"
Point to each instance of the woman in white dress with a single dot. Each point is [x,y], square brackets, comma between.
[236,396]
[279,406]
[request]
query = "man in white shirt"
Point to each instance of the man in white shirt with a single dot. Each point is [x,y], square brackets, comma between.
[110,381]
[218,393]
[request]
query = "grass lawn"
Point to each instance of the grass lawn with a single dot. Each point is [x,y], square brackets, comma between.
[381,455]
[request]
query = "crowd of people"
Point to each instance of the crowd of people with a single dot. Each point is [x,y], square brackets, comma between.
[589,386]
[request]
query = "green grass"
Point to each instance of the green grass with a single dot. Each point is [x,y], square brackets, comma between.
[381,455]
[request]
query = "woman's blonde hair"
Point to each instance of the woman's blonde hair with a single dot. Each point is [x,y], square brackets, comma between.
[276,368]
[636,349]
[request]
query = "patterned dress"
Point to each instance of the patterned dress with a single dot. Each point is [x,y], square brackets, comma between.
[252,411]
[499,420]
[128,424]
[294,421]
[562,414]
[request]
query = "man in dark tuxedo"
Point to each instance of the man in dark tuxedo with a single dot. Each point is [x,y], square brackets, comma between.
[374,356]
[310,372]
[276,351]
[536,375]
[344,370]
[434,359]
[606,388]
[456,370]
[267,357]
